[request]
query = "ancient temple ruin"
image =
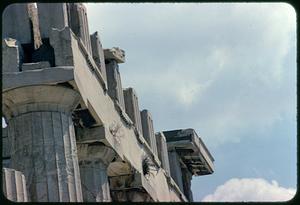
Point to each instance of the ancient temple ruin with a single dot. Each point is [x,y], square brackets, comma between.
[74,134]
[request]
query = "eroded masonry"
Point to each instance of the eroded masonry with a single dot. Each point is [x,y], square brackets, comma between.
[73,133]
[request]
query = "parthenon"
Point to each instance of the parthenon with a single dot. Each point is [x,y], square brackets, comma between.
[74,134]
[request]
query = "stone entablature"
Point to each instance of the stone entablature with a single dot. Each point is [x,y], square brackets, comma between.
[73,131]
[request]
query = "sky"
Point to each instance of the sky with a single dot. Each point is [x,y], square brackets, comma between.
[227,70]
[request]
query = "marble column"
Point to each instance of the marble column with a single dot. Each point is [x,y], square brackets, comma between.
[187,179]
[5,148]
[175,168]
[43,145]
[14,185]
[94,159]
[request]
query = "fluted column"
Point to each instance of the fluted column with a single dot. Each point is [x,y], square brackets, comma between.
[43,145]
[14,185]
[93,161]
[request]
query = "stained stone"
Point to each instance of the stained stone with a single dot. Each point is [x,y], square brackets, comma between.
[116,54]
[98,53]
[132,107]
[187,178]
[52,16]
[79,23]
[162,151]
[61,41]
[114,83]
[6,147]
[175,168]
[34,66]
[6,143]
[16,23]
[33,15]
[11,55]
[148,130]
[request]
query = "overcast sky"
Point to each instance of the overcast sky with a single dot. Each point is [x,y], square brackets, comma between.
[226,70]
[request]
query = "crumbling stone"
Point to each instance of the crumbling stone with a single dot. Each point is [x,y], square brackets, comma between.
[11,55]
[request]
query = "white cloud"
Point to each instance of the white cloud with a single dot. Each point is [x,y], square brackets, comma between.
[226,69]
[188,92]
[250,189]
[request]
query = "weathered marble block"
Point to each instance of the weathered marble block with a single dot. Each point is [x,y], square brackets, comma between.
[162,151]
[114,82]
[132,107]
[79,23]
[63,43]
[148,130]
[52,16]
[116,54]
[11,55]
[98,54]
[16,23]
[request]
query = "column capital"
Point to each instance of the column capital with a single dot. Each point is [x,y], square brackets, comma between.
[97,151]
[39,98]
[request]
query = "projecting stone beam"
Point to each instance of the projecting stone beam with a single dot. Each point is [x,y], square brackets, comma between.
[35,66]
[187,143]
[44,76]
[116,54]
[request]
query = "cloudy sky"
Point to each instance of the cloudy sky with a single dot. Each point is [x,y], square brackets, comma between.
[226,70]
